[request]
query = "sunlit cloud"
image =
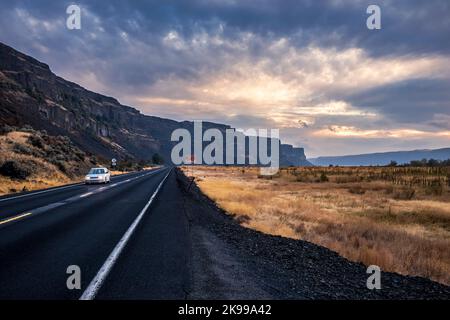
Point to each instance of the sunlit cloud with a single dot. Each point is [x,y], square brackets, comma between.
[345,131]
[335,108]
[289,85]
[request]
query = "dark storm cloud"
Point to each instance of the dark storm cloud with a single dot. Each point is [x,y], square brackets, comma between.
[407,25]
[412,27]
[411,101]
[134,50]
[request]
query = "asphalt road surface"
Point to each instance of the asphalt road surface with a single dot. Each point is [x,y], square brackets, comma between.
[43,233]
[154,235]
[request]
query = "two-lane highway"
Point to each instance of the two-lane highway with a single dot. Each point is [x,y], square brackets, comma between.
[83,225]
[12,206]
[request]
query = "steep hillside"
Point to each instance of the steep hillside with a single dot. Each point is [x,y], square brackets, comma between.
[30,94]
[32,160]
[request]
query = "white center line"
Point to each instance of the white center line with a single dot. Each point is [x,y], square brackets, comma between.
[97,282]
[33,193]
[50,206]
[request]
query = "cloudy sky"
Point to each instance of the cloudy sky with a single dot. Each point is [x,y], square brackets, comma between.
[310,68]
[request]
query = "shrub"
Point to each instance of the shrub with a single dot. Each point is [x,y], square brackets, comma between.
[22,149]
[80,154]
[304,178]
[323,177]
[405,194]
[38,153]
[436,189]
[27,128]
[5,129]
[392,163]
[61,166]
[356,190]
[15,170]
[36,141]
[157,158]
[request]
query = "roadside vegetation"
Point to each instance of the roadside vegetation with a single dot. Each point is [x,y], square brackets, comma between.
[395,217]
[31,159]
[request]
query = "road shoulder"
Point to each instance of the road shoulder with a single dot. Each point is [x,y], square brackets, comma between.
[233,262]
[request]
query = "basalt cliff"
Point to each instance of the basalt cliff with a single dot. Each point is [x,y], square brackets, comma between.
[31,94]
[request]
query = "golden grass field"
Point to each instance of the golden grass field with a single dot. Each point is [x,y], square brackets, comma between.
[396,218]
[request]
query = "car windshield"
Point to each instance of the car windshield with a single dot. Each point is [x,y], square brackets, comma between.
[97,171]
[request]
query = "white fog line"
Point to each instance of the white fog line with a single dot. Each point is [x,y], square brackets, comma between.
[40,192]
[102,274]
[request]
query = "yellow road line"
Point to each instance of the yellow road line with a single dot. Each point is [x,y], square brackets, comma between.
[20,216]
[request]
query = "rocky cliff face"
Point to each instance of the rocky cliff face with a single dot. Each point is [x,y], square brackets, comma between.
[291,156]
[31,94]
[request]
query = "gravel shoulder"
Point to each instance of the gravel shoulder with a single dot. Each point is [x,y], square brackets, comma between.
[233,262]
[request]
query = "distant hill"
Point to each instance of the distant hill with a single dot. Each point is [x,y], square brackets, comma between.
[382,158]
[31,94]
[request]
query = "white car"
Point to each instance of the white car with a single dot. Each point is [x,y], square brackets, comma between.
[98,175]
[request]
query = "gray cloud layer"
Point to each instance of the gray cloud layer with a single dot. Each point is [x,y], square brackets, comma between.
[181,58]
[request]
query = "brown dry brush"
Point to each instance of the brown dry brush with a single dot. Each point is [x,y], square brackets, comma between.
[395,217]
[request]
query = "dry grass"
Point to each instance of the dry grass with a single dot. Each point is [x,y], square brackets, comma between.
[118,172]
[45,161]
[44,174]
[364,220]
[8,186]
